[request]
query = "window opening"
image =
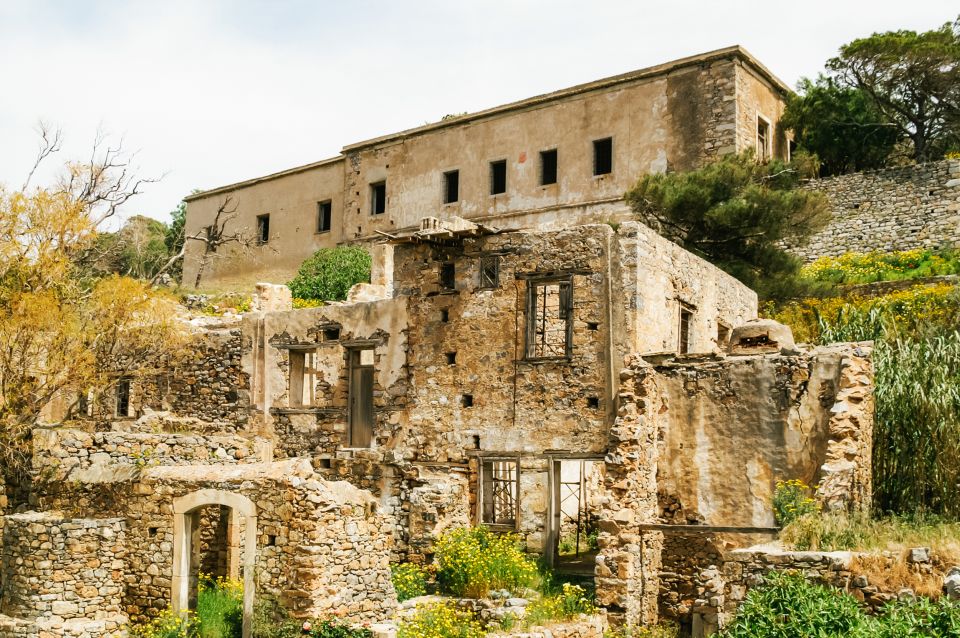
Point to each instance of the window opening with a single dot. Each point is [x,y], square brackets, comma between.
[723,334]
[499,493]
[302,377]
[548,167]
[324,216]
[331,334]
[549,309]
[686,328]
[490,271]
[378,198]
[123,397]
[444,315]
[603,156]
[451,358]
[263,229]
[763,139]
[361,415]
[593,402]
[466,401]
[451,187]
[498,177]
[448,276]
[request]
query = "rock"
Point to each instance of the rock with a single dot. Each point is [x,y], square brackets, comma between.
[919,555]
[951,583]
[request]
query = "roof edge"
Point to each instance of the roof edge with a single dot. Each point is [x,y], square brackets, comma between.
[735,51]
[264,178]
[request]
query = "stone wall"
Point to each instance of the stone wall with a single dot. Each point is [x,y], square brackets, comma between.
[62,575]
[61,454]
[889,209]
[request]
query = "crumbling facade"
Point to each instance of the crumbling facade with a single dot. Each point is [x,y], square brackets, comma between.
[590,388]
[557,160]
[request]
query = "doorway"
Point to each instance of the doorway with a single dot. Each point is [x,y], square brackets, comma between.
[361,413]
[575,487]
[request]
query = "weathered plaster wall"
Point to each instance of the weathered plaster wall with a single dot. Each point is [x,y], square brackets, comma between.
[660,276]
[890,209]
[291,201]
[757,97]
[731,427]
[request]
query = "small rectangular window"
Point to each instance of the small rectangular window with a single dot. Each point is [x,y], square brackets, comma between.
[686,328]
[498,177]
[763,139]
[324,216]
[448,276]
[378,198]
[603,156]
[499,492]
[451,187]
[490,271]
[549,313]
[263,229]
[123,398]
[548,167]
[302,378]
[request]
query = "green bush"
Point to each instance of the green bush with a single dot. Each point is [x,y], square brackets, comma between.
[791,500]
[441,621]
[329,274]
[566,605]
[920,617]
[472,561]
[219,608]
[409,580]
[787,606]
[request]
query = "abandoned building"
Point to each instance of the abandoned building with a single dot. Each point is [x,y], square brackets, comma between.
[589,380]
[551,161]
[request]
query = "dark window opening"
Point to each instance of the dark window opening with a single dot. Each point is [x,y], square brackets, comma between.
[466,401]
[378,198]
[123,398]
[603,156]
[476,441]
[324,216]
[331,334]
[499,492]
[686,328]
[263,229]
[498,177]
[593,325]
[152,531]
[723,334]
[451,358]
[324,464]
[593,402]
[361,417]
[763,139]
[549,325]
[448,276]
[548,167]
[444,315]
[271,540]
[451,187]
[490,271]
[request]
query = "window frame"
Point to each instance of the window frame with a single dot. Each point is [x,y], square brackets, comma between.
[123,394]
[324,213]
[375,188]
[494,165]
[566,293]
[447,175]
[767,152]
[597,146]
[263,229]
[354,364]
[685,328]
[492,283]
[543,165]
[485,464]
[303,369]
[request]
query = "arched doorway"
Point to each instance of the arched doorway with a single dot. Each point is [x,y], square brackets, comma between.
[241,514]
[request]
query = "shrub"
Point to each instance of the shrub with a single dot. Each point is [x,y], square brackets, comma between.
[219,607]
[330,272]
[568,604]
[165,625]
[409,580]
[852,268]
[920,617]
[788,606]
[791,500]
[441,621]
[473,561]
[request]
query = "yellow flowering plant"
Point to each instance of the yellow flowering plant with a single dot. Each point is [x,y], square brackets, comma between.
[409,580]
[570,602]
[791,500]
[472,561]
[440,620]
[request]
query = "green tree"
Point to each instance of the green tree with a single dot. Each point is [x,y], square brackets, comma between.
[329,274]
[176,237]
[735,212]
[840,125]
[913,79]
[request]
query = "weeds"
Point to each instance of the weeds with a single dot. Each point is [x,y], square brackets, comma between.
[473,561]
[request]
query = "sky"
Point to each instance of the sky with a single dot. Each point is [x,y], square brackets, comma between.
[209,92]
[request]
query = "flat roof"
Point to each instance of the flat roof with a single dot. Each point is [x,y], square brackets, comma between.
[735,51]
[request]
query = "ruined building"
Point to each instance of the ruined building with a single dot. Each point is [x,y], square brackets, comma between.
[551,161]
[589,381]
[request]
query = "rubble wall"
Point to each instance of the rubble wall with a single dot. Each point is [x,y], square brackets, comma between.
[898,208]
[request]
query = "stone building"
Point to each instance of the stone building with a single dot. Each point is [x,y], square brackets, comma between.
[595,389]
[550,161]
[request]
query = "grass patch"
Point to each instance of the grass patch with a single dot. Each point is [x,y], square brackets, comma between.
[860,268]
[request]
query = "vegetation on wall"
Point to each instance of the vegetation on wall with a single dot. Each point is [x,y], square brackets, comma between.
[472,561]
[734,212]
[330,273]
